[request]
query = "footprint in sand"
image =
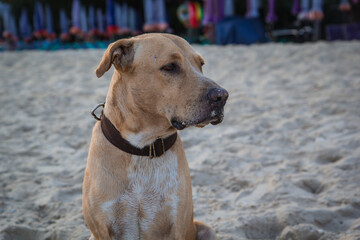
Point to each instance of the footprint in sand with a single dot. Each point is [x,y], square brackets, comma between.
[313,186]
[329,156]
[235,185]
[301,231]
[20,233]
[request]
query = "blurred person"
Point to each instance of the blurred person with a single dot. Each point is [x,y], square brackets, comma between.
[155,20]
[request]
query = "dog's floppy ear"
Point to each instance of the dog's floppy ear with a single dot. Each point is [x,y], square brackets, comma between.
[121,53]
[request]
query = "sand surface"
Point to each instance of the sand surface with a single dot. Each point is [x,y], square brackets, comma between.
[284,164]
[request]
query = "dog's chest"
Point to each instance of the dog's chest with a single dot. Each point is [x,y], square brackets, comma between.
[150,198]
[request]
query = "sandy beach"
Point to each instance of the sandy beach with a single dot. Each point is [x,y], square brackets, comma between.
[284,164]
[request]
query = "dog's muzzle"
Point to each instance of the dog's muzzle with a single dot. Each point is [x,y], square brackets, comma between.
[213,111]
[217,96]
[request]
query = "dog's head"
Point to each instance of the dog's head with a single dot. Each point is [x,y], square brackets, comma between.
[162,75]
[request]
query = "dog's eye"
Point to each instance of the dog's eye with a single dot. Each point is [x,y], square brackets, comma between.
[171,67]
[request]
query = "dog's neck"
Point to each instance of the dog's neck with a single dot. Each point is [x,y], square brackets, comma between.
[140,128]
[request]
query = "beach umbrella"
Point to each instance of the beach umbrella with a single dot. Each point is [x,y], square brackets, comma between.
[39,19]
[148,12]
[83,20]
[271,17]
[110,13]
[252,9]
[110,17]
[25,28]
[10,30]
[132,19]
[118,18]
[49,20]
[92,19]
[100,20]
[124,16]
[12,26]
[64,24]
[160,10]
[75,16]
[5,12]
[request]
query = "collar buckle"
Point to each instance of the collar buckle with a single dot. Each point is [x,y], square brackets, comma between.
[152,148]
[95,108]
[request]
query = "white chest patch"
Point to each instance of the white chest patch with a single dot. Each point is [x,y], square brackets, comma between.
[153,186]
[136,140]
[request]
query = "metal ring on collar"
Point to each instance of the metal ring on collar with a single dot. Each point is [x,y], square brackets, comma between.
[95,108]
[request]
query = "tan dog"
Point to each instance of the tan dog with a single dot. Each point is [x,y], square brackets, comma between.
[157,88]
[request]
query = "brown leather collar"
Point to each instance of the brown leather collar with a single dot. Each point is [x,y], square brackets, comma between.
[156,149]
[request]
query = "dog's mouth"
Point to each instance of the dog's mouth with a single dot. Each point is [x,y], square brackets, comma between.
[215,117]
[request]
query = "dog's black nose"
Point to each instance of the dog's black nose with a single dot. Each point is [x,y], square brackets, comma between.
[218,96]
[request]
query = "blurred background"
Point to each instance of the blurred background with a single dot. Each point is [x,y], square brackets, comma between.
[52,25]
